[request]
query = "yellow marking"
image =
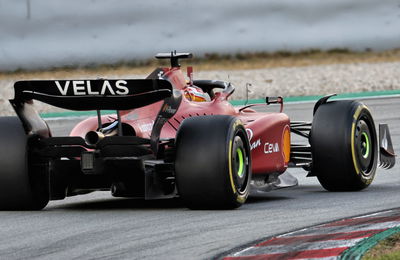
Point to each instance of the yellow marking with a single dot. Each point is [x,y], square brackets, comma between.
[237,122]
[358,111]
[230,167]
[353,128]
[366,108]
[241,199]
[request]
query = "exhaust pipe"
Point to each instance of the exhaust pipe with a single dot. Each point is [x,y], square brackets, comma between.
[94,137]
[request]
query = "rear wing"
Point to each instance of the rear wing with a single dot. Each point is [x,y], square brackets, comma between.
[99,94]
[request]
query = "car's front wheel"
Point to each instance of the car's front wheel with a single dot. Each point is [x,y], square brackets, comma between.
[344,146]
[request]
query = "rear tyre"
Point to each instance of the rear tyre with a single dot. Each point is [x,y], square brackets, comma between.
[213,165]
[344,146]
[22,187]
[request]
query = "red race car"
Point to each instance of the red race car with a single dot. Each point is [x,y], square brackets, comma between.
[175,137]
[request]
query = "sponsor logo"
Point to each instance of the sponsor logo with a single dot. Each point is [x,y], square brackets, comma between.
[255,144]
[132,116]
[271,148]
[168,109]
[84,87]
[250,135]
[146,127]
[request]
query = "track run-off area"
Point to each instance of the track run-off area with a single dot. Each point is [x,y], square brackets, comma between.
[99,226]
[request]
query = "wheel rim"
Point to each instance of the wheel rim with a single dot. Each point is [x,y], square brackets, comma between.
[240,164]
[364,147]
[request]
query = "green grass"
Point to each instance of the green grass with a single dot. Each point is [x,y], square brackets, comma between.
[389,256]
[387,249]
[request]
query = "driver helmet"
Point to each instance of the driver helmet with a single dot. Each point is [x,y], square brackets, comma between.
[196,94]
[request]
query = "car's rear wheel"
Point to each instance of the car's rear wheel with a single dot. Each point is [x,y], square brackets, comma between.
[22,187]
[344,146]
[213,165]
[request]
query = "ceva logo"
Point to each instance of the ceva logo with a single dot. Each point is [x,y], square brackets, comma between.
[271,148]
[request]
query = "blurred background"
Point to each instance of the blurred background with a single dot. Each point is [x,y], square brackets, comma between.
[274,47]
[37,34]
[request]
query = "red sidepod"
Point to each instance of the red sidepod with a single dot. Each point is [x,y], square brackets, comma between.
[269,135]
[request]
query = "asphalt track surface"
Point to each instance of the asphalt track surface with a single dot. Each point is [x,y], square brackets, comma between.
[98,226]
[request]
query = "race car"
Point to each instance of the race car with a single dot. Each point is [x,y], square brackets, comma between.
[173,136]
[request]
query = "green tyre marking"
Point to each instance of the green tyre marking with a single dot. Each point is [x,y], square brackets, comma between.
[240,171]
[367,145]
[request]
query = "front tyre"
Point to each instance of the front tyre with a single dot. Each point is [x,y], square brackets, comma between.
[213,165]
[344,146]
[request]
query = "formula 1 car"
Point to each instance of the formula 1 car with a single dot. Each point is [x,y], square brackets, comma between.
[163,143]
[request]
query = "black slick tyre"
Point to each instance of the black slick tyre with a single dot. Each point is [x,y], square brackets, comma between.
[213,165]
[21,187]
[344,146]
